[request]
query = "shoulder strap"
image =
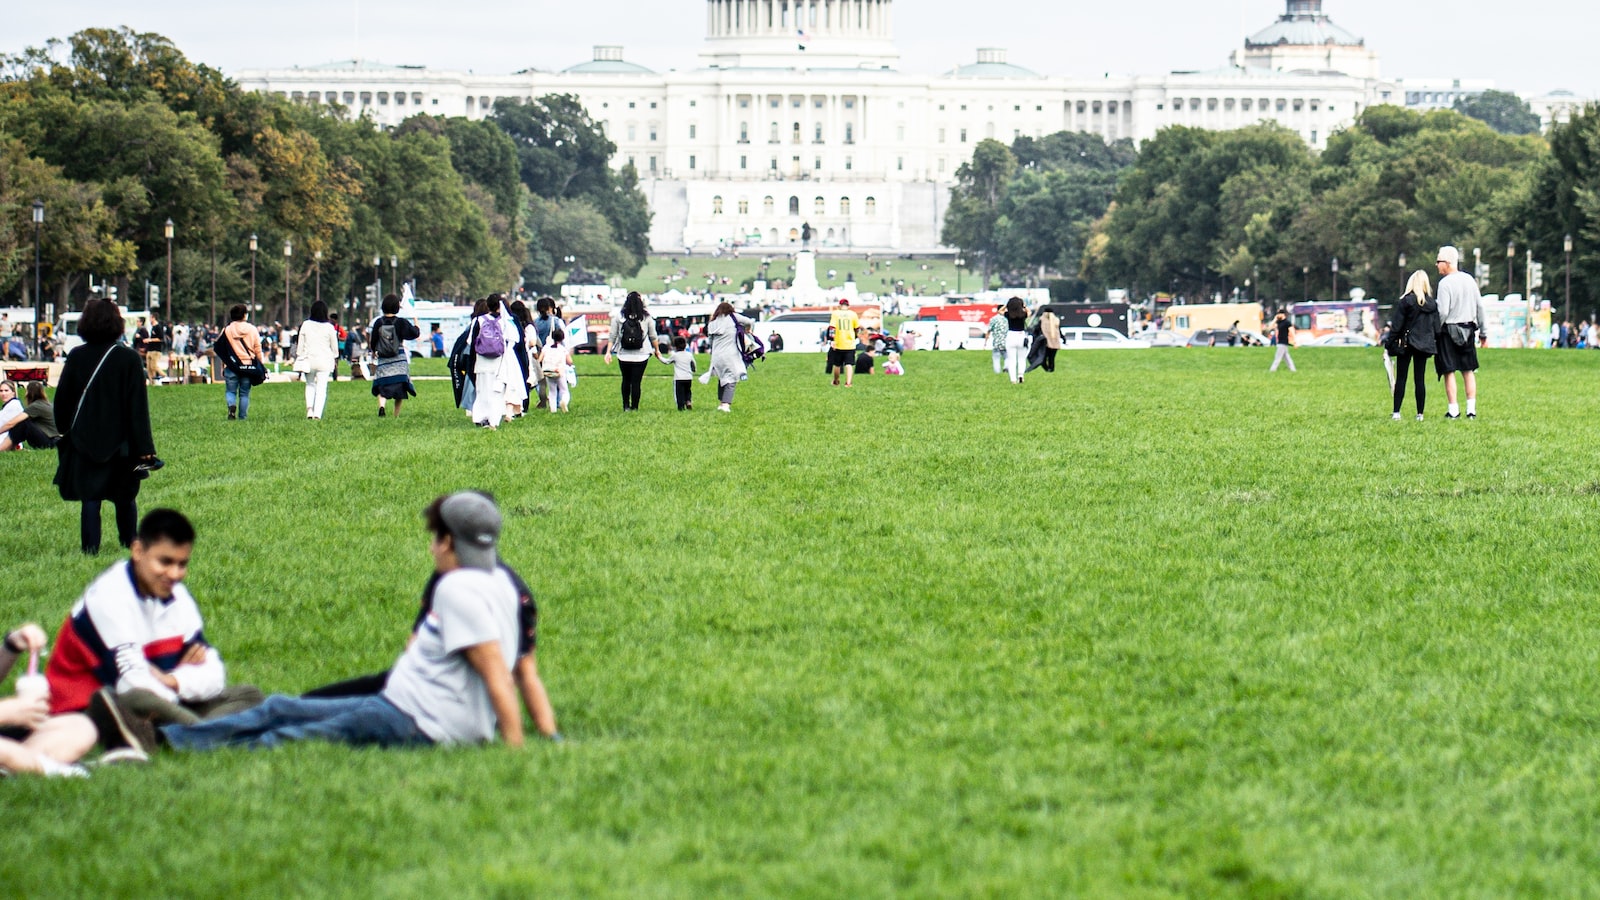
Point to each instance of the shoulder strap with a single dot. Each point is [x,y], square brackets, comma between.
[79,408]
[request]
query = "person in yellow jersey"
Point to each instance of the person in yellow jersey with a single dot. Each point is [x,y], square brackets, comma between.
[842,352]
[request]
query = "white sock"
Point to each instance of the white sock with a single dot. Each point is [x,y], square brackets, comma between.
[1455,409]
[1472,406]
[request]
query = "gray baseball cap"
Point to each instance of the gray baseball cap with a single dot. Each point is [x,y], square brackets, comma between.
[474,522]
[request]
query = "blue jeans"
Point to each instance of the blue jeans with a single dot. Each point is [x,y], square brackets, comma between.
[237,391]
[364,720]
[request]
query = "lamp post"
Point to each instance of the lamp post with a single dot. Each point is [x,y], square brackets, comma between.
[1402,272]
[376,281]
[1511,262]
[1255,283]
[288,251]
[252,273]
[168,232]
[1335,279]
[1566,247]
[1477,266]
[39,221]
[1305,274]
[959,263]
[318,257]
[394,272]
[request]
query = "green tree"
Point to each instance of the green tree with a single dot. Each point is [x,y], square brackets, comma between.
[972,221]
[1503,111]
[1561,197]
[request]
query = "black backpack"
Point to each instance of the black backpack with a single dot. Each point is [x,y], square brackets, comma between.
[632,334]
[387,344]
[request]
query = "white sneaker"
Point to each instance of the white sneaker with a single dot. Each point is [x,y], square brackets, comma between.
[1419,417]
[1395,417]
[723,407]
[120,756]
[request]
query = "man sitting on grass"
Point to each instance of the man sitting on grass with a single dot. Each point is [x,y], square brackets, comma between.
[136,634]
[451,685]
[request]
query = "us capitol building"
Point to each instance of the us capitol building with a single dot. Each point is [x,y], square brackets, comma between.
[797,113]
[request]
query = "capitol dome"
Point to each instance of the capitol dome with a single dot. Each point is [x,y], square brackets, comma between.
[608,61]
[1304,39]
[991,64]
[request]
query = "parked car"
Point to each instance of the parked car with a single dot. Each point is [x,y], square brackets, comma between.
[1161,338]
[1345,339]
[1218,337]
[1098,339]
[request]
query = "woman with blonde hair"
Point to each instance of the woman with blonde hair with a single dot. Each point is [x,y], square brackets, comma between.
[1413,337]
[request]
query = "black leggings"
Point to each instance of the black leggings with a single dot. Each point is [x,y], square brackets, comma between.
[632,378]
[127,510]
[1417,362]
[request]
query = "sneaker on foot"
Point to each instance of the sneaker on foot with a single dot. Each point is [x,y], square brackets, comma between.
[723,407]
[1419,417]
[1472,415]
[51,768]
[382,412]
[1395,417]
[233,412]
[1452,415]
[117,728]
[121,756]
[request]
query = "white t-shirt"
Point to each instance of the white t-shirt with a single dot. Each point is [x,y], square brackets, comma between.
[11,410]
[433,682]
[682,365]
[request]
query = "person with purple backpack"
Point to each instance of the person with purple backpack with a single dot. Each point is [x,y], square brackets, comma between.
[496,375]
[728,361]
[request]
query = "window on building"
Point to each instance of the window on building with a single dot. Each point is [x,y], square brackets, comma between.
[849,103]
[691,132]
[773,103]
[633,132]
[652,131]
[1038,109]
[350,97]
[849,163]
[794,133]
[794,102]
[435,101]
[652,104]
[744,132]
[816,134]
[1016,109]
[744,162]
[963,107]
[744,102]
[794,206]
[1112,107]
[692,104]
[1081,107]
[941,135]
[817,164]
[399,99]
[872,206]
[383,98]
[820,206]
[844,206]
[630,104]
[652,165]
[899,163]
[1245,104]
[1194,103]
[849,133]
[691,162]
[766,203]
[1228,103]
[816,103]
[772,133]
[1313,137]
[774,166]
[1282,104]
[744,207]
[963,135]
[716,205]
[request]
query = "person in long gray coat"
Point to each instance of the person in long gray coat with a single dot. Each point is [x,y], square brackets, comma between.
[727,363]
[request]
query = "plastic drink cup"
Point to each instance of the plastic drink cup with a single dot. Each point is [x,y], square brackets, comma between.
[32,685]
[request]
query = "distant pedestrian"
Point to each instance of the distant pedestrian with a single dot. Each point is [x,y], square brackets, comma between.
[391,377]
[1233,334]
[1016,339]
[632,343]
[1461,315]
[240,344]
[682,362]
[554,359]
[316,356]
[1413,332]
[1285,338]
[842,322]
[998,329]
[727,360]
[496,377]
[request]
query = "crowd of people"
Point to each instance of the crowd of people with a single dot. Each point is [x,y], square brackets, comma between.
[132,671]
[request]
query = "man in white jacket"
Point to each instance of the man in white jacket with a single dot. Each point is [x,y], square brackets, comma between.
[136,633]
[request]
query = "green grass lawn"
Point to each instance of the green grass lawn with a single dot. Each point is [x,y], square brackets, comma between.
[922,276]
[1160,624]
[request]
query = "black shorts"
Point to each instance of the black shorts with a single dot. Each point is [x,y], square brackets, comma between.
[839,358]
[16,733]
[1452,358]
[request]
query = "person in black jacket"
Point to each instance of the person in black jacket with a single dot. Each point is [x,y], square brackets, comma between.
[1412,338]
[103,411]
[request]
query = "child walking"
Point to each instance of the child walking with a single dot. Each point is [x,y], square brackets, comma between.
[682,362]
[554,360]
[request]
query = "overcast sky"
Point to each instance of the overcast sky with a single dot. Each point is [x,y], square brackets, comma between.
[1528,46]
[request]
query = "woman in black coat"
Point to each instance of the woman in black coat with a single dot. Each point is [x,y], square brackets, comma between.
[1412,337]
[103,412]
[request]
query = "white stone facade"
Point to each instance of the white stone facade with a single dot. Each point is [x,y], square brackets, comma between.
[798,115]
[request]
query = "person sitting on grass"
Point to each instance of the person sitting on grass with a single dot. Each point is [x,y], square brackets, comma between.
[32,740]
[136,637]
[452,685]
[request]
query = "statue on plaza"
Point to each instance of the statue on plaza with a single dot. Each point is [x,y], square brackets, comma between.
[805,234]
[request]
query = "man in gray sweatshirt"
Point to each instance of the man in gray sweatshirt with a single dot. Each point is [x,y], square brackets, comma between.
[1460,305]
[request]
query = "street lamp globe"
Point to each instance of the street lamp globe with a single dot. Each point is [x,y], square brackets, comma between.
[38,212]
[168,230]
[1566,244]
[252,242]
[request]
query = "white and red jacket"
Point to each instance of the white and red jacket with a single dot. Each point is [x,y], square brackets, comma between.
[115,635]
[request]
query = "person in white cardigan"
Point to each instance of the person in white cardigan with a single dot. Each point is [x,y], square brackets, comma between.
[498,379]
[316,354]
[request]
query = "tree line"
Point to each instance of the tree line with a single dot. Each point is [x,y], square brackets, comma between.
[1195,213]
[117,133]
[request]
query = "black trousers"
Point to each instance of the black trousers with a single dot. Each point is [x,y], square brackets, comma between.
[684,390]
[1416,362]
[1050,359]
[632,379]
[360,686]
